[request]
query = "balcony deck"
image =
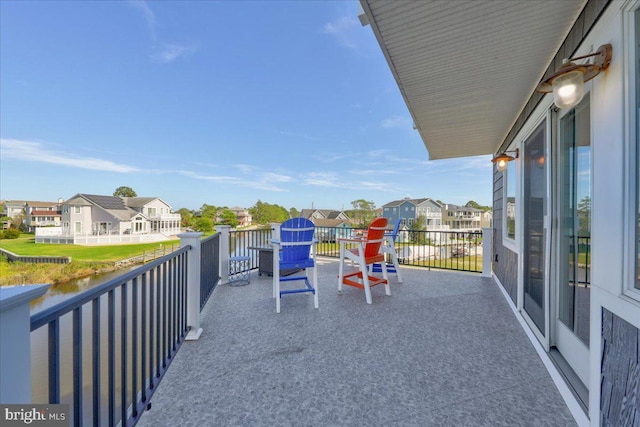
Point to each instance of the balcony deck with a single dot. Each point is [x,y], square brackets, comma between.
[444,349]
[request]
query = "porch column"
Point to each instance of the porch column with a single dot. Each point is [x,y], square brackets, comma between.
[224,252]
[487,251]
[15,342]
[193,283]
[275,230]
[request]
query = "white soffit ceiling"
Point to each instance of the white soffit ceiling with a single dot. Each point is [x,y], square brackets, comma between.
[466,68]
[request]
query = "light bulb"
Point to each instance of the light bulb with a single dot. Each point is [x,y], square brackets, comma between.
[568,89]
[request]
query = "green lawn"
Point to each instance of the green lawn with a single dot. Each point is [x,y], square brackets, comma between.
[25,245]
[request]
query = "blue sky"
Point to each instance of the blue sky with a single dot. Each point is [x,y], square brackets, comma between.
[224,102]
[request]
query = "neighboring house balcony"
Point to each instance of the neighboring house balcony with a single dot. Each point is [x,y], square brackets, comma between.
[165,217]
[165,224]
[46,223]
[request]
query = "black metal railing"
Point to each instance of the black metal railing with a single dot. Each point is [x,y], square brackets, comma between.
[209,267]
[123,335]
[448,250]
[241,242]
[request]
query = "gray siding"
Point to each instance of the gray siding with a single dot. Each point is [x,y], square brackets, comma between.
[505,261]
[620,380]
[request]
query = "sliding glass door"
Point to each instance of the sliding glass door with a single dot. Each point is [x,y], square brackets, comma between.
[573,238]
[535,235]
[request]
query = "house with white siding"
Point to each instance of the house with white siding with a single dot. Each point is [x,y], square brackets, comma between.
[87,217]
[42,214]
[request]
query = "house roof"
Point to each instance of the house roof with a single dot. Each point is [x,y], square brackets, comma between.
[112,204]
[321,222]
[467,68]
[415,202]
[17,203]
[77,200]
[31,203]
[35,204]
[327,213]
[137,202]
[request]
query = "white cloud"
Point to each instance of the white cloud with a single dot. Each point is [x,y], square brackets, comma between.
[300,135]
[245,168]
[36,152]
[167,52]
[263,182]
[344,30]
[148,15]
[395,122]
[274,177]
[172,51]
[327,179]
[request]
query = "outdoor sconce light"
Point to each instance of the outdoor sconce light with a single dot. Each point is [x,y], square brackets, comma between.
[567,84]
[502,159]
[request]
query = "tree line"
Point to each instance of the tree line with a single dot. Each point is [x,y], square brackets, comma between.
[263,213]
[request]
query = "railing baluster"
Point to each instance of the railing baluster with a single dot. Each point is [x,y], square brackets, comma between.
[143,339]
[164,316]
[158,306]
[112,355]
[96,347]
[123,353]
[77,366]
[174,299]
[184,292]
[54,361]
[134,347]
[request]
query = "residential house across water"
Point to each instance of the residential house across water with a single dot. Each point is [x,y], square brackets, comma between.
[409,210]
[96,219]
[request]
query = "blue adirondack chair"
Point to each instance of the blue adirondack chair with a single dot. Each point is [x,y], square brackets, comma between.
[296,250]
[389,248]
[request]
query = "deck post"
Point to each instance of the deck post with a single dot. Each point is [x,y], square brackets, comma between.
[275,231]
[487,248]
[193,283]
[224,252]
[15,342]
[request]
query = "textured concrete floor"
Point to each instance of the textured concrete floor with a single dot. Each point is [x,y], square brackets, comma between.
[443,350]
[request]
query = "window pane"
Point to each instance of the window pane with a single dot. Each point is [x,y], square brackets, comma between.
[511,200]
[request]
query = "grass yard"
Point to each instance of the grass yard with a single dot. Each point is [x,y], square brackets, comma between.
[85,260]
[25,245]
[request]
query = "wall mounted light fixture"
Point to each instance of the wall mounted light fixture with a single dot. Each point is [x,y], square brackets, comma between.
[567,83]
[504,158]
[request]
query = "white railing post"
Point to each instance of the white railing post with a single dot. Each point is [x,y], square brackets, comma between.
[275,231]
[224,252]
[15,342]
[193,283]
[487,251]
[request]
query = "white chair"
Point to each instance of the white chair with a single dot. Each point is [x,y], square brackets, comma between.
[366,252]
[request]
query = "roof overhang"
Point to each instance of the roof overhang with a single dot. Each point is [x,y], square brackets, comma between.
[466,68]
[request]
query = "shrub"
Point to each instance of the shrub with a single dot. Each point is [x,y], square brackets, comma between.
[11,233]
